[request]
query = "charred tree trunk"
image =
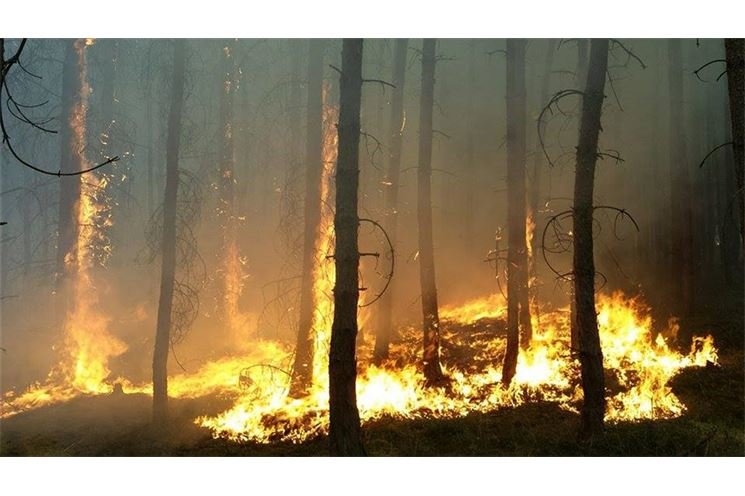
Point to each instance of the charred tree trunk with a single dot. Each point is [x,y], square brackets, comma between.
[385,320]
[69,187]
[735,56]
[518,309]
[680,189]
[431,320]
[168,270]
[580,77]
[303,365]
[344,432]
[590,355]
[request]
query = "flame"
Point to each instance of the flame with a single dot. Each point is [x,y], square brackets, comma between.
[88,344]
[491,307]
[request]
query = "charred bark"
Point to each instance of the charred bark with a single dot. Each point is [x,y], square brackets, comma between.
[385,320]
[518,310]
[344,433]
[302,369]
[590,355]
[168,270]
[431,321]
[735,56]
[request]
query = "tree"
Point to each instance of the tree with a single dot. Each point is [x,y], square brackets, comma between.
[431,321]
[591,355]
[71,159]
[680,189]
[385,319]
[168,269]
[303,367]
[229,256]
[344,432]
[518,308]
[735,58]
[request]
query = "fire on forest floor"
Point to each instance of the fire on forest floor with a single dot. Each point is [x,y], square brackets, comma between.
[640,365]
[118,425]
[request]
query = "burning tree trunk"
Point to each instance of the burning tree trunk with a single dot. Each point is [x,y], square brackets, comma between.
[680,189]
[518,309]
[538,157]
[591,355]
[344,432]
[735,56]
[385,321]
[229,257]
[303,367]
[168,270]
[431,321]
[71,161]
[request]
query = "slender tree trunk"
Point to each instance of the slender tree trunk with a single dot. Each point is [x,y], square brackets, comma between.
[385,320]
[302,369]
[518,308]
[168,270]
[69,186]
[226,212]
[580,77]
[345,433]
[431,320]
[735,56]
[590,355]
[538,157]
[681,191]
[470,176]
[150,140]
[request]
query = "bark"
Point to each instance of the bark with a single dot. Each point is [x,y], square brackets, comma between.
[581,79]
[303,364]
[149,132]
[168,270]
[680,190]
[431,321]
[735,56]
[518,309]
[344,432]
[385,320]
[591,355]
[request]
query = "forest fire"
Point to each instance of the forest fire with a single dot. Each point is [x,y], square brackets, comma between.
[642,364]
[287,263]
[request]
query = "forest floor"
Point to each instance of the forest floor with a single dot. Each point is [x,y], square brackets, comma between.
[118,425]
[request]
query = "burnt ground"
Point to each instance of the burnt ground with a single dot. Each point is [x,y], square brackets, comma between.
[118,425]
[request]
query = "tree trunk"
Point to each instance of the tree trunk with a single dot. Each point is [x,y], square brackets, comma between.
[302,369]
[431,320]
[518,309]
[70,161]
[538,157]
[168,270]
[680,192]
[580,76]
[735,56]
[591,355]
[385,319]
[228,256]
[345,433]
